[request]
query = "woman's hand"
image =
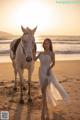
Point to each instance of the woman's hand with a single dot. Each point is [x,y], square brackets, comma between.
[36,57]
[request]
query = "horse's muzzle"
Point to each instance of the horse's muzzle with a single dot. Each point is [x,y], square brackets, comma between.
[29,59]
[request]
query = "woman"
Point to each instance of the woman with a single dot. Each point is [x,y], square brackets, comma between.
[52,90]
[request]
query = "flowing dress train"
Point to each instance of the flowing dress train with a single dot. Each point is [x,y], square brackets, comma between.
[55,91]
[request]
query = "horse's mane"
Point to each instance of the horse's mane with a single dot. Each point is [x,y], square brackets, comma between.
[35,48]
[14,47]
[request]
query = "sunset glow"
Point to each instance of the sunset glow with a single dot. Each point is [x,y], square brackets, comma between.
[50,17]
[34,14]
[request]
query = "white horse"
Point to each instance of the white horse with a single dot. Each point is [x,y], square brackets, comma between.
[23,57]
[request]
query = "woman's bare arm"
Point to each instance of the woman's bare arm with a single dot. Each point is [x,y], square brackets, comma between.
[52,64]
[53,60]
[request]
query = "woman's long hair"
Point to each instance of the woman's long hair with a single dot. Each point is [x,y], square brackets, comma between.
[50,43]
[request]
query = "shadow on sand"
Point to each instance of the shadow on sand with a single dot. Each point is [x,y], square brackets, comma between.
[58,116]
[23,112]
[18,112]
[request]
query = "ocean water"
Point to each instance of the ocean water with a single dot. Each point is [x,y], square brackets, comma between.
[65,47]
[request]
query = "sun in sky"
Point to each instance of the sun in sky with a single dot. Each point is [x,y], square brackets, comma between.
[50,17]
[32,14]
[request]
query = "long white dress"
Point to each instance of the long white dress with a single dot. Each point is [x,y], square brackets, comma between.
[55,91]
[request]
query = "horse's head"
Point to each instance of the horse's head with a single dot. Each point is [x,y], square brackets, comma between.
[28,42]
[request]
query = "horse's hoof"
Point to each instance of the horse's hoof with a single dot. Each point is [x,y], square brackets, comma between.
[21,101]
[46,118]
[42,117]
[30,100]
[15,88]
[24,88]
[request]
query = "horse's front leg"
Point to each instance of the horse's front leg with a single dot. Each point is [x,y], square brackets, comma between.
[21,85]
[29,87]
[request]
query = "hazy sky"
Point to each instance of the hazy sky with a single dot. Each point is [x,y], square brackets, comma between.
[51,16]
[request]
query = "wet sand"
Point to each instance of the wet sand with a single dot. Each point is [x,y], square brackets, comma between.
[68,74]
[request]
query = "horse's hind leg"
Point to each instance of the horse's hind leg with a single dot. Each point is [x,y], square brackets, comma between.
[29,87]
[21,86]
[15,73]
[15,86]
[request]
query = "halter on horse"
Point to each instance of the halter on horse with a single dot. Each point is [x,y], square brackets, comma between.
[22,52]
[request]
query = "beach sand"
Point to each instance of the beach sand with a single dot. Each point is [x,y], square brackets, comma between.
[68,74]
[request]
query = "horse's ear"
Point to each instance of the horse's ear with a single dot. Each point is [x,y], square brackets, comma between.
[23,29]
[34,30]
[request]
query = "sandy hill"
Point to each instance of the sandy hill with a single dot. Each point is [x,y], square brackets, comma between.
[6,35]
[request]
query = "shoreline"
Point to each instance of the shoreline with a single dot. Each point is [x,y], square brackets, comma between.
[6,59]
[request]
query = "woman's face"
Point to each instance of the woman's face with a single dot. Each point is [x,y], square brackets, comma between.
[46,45]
